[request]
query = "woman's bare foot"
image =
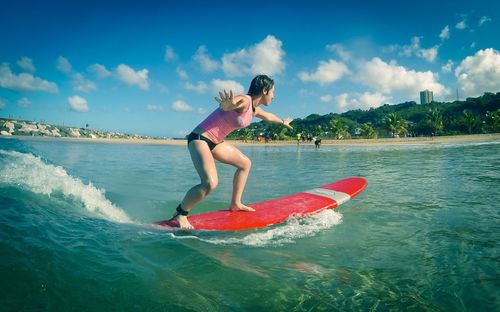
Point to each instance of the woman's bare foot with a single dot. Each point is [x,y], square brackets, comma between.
[240,207]
[183,222]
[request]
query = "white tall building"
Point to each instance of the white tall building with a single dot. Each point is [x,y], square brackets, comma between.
[426,96]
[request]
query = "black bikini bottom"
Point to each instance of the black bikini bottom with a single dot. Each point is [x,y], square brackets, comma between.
[195,136]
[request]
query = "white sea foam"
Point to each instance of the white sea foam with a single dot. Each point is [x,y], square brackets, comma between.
[31,173]
[293,229]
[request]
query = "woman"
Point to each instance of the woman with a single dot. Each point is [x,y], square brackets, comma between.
[206,144]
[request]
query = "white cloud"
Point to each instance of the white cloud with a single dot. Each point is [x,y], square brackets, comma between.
[27,64]
[326,98]
[24,102]
[265,57]
[390,77]
[366,100]
[207,64]
[220,85]
[64,65]
[326,73]
[483,20]
[340,50]
[445,33]
[154,108]
[237,63]
[268,57]
[24,81]
[461,25]
[181,106]
[133,78]
[428,54]
[200,87]
[3,103]
[78,104]
[342,102]
[182,73]
[99,70]
[448,67]
[170,54]
[479,73]
[81,84]
[415,48]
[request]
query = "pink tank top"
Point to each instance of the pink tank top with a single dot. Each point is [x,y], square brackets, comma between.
[220,123]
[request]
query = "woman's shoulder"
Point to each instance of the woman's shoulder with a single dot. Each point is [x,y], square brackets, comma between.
[245,97]
[247,102]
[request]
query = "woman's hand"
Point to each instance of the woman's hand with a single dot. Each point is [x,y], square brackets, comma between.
[287,121]
[226,101]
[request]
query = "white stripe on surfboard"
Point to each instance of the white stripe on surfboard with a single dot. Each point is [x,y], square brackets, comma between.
[339,197]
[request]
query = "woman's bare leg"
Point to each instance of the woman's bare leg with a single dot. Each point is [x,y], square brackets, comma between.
[228,154]
[204,164]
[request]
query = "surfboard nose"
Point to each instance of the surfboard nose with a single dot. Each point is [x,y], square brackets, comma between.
[351,186]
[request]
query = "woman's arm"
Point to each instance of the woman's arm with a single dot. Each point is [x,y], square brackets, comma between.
[262,114]
[226,101]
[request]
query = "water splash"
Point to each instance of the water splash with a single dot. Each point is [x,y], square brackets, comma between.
[29,172]
[293,229]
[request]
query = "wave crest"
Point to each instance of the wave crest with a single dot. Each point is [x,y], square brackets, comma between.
[31,173]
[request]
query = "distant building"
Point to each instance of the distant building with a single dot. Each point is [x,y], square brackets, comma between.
[426,96]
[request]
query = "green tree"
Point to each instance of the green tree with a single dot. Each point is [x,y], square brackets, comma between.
[282,134]
[396,124]
[434,119]
[246,134]
[492,121]
[339,128]
[470,122]
[418,117]
[368,132]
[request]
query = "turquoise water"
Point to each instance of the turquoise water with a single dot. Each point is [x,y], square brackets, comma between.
[74,231]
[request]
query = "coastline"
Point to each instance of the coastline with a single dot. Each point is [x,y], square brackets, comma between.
[491,137]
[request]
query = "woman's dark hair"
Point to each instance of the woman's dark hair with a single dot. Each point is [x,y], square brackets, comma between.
[259,84]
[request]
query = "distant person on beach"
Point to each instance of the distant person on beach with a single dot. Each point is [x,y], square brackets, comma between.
[309,138]
[317,143]
[266,137]
[206,144]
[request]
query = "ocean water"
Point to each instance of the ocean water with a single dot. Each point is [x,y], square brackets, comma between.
[75,230]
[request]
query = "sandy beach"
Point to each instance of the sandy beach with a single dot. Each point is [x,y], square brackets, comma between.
[494,137]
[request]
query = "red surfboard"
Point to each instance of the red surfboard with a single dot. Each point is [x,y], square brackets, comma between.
[277,210]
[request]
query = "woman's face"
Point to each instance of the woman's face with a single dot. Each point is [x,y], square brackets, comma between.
[268,96]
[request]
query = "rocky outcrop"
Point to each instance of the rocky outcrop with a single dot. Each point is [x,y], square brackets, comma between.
[9,127]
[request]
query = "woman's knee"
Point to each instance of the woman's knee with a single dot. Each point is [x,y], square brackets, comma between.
[209,185]
[245,164]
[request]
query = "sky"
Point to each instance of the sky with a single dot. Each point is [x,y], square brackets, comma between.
[154,67]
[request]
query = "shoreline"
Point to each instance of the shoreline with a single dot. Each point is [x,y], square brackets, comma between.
[491,137]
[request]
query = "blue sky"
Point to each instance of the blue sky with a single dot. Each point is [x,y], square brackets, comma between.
[153,68]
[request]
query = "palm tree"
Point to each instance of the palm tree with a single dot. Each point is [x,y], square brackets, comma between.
[492,121]
[396,124]
[368,132]
[469,121]
[339,128]
[434,119]
[246,134]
